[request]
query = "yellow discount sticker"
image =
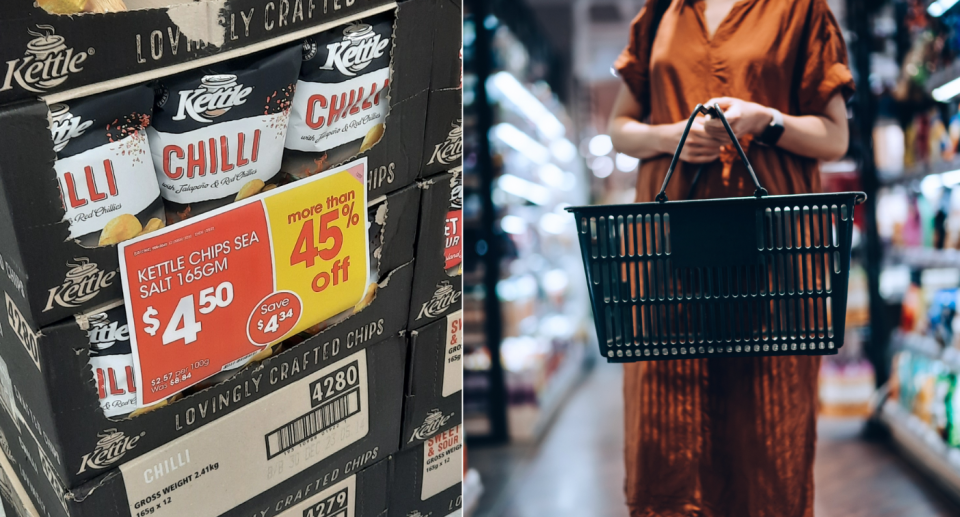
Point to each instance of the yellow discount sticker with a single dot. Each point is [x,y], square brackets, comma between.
[320,244]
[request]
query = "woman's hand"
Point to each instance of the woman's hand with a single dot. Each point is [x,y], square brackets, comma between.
[700,146]
[745,118]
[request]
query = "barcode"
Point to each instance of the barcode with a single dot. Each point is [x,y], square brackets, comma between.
[313,423]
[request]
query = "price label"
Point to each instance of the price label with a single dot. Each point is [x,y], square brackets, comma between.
[205,295]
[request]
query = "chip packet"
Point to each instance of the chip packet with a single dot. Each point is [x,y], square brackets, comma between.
[107,182]
[112,361]
[218,131]
[342,100]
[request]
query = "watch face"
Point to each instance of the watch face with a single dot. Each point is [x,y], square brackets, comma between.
[771,135]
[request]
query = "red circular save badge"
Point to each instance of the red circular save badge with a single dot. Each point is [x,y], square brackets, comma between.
[273,317]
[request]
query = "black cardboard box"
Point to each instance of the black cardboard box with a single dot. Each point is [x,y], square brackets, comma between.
[46,377]
[434,388]
[443,141]
[274,457]
[127,47]
[51,277]
[13,496]
[428,479]
[438,276]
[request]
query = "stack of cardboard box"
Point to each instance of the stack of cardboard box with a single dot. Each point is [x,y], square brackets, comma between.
[359,418]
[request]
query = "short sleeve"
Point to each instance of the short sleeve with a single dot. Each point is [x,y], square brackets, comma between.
[824,62]
[633,64]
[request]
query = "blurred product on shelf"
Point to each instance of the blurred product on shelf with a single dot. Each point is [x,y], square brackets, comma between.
[526,253]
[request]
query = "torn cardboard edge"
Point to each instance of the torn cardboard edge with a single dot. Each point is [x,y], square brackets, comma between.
[143,77]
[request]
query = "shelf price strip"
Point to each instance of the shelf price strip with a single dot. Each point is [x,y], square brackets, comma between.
[206,295]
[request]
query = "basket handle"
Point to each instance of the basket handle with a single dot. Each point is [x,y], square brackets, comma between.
[713,111]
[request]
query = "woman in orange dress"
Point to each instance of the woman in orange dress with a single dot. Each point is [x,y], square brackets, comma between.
[728,437]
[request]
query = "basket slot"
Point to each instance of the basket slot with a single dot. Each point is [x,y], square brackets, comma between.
[594,245]
[608,322]
[621,236]
[616,250]
[778,228]
[797,224]
[787,228]
[827,273]
[657,234]
[630,235]
[834,225]
[648,234]
[829,314]
[605,280]
[771,237]
[602,233]
[666,233]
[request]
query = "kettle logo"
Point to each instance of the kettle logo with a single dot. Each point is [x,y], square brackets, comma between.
[46,64]
[106,336]
[214,97]
[434,421]
[65,126]
[452,148]
[82,283]
[112,446]
[443,298]
[360,46]
[416,513]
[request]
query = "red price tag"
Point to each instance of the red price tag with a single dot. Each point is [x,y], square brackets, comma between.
[206,295]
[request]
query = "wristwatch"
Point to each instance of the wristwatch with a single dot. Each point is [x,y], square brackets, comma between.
[772,133]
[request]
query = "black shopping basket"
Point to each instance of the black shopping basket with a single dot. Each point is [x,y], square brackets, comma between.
[762,275]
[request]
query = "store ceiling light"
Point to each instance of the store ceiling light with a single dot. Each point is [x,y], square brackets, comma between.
[554,223]
[602,166]
[536,194]
[513,224]
[947,91]
[505,87]
[601,145]
[930,185]
[563,150]
[555,177]
[626,163]
[510,135]
[936,9]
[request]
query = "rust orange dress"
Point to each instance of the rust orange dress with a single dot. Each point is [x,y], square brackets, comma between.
[728,437]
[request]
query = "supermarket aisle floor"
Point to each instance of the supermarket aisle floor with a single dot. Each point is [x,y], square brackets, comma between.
[579,466]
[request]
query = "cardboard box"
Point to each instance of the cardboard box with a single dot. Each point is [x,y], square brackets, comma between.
[13,497]
[447,71]
[438,276]
[46,378]
[428,479]
[50,277]
[434,389]
[443,141]
[148,41]
[278,456]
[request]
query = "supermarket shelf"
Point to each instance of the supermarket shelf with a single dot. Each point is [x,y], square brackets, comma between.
[927,346]
[923,447]
[920,257]
[917,172]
